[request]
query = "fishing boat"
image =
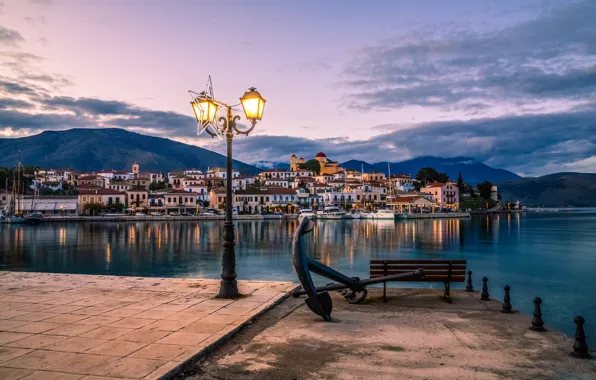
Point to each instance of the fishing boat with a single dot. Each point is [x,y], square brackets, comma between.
[306,213]
[34,218]
[15,220]
[331,212]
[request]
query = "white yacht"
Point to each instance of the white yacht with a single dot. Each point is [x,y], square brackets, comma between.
[331,212]
[384,214]
[354,214]
[306,212]
[366,215]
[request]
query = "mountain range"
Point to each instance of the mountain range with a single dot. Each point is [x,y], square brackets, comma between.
[553,190]
[472,171]
[110,148]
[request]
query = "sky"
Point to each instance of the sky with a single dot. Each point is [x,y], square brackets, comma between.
[511,83]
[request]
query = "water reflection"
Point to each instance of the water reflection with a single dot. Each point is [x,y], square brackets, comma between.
[192,248]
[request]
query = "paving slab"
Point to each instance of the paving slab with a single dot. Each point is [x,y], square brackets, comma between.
[415,335]
[66,326]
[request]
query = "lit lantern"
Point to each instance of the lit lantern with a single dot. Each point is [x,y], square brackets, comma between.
[205,109]
[253,104]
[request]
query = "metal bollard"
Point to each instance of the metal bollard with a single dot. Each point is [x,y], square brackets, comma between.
[537,322]
[484,295]
[507,301]
[580,347]
[469,287]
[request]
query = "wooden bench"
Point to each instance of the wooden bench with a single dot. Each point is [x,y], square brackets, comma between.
[445,271]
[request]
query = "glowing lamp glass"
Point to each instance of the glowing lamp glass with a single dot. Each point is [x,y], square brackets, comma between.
[253,104]
[205,110]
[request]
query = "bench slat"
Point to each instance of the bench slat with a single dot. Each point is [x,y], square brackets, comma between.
[427,262]
[431,278]
[427,271]
[414,267]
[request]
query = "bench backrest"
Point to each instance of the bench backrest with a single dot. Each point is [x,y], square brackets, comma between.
[435,270]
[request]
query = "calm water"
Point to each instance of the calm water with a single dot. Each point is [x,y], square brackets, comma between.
[551,255]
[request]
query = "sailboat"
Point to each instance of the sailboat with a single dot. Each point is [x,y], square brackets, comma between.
[364,214]
[16,217]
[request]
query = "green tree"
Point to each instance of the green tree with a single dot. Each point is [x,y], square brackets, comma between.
[460,182]
[312,165]
[484,189]
[158,186]
[430,175]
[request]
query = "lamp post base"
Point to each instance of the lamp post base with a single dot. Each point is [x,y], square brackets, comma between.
[228,289]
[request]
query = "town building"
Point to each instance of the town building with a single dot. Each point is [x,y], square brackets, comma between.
[410,203]
[99,195]
[137,197]
[373,176]
[91,180]
[402,182]
[445,195]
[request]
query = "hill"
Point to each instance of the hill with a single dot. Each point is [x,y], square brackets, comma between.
[553,190]
[471,170]
[111,148]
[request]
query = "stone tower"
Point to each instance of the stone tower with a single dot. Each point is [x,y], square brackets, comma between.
[135,168]
[300,161]
[293,164]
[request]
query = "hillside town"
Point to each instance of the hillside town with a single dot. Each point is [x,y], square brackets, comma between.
[308,184]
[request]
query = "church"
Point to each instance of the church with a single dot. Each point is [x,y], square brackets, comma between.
[327,166]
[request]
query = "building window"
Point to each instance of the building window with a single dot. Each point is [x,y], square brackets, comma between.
[84,199]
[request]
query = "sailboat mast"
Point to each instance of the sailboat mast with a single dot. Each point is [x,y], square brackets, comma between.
[18,185]
[362,180]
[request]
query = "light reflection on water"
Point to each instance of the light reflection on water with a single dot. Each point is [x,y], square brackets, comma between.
[542,254]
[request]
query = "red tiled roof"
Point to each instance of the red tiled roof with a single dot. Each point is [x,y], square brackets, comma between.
[436,184]
[88,177]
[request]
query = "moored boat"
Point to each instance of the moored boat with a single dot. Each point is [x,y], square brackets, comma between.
[386,214]
[306,212]
[354,214]
[331,212]
[15,220]
[34,218]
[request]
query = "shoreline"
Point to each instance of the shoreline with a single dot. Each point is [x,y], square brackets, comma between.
[149,218]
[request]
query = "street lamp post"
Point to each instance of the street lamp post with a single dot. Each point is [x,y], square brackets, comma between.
[206,109]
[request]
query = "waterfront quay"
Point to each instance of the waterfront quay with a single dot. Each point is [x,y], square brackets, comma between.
[415,335]
[69,327]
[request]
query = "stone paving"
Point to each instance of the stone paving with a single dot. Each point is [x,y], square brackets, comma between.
[70,327]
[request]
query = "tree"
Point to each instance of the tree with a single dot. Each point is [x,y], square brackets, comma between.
[484,189]
[312,165]
[430,175]
[460,182]
[158,186]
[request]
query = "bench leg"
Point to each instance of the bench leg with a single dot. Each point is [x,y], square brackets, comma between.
[385,291]
[447,294]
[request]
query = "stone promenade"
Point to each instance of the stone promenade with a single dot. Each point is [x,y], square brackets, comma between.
[70,327]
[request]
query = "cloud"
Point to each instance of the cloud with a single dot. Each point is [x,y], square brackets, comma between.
[62,112]
[525,143]
[10,37]
[552,56]
[41,2]
[35,21]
